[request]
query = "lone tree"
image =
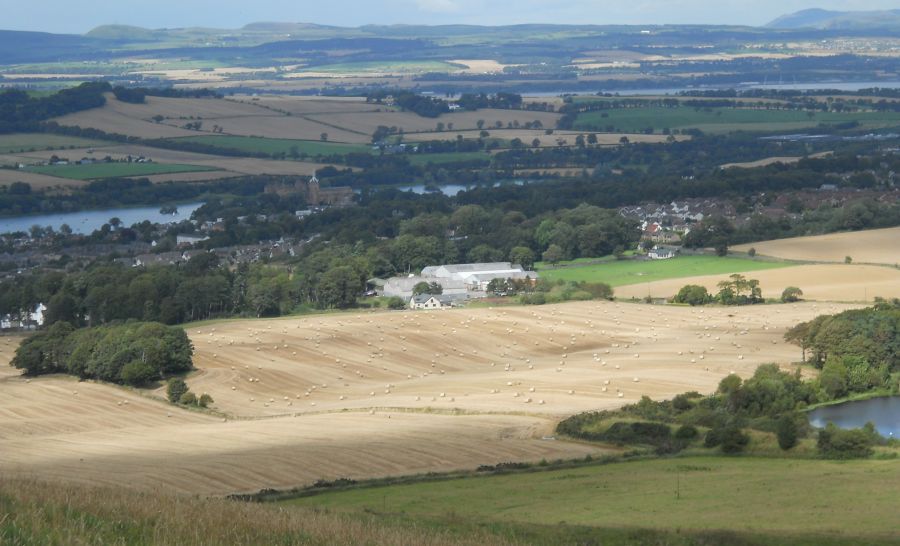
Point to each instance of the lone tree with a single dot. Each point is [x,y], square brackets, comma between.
[786,429]
[553,254]
[791,294]
[175,389]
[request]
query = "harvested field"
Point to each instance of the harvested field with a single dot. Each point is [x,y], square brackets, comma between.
[23,142]
[367,122]
[37,181]
[312,105]
[787,160]
[818,282]
[480,66]
[120,120]
[294,127]
[547,141]
[875,246]
[239,165]
[327,388]
[202,176]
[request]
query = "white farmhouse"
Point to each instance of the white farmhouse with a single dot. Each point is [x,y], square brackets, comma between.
[430,301]
[661,253]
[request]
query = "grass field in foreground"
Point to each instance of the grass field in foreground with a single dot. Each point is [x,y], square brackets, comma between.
[751,495]
[624,272]
[46,513]
[27,142]
[114,170]
[723,119]
[276,145]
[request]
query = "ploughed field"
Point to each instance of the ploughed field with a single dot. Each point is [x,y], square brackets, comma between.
[380,393]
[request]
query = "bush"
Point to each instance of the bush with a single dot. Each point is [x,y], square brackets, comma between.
[175,389]
[638,433]
[205,400]
[396,303]
[791,294]
[138,373]
[686,432]
[836,443]
[693,294]
[729,436]
[188,399]
[786,430]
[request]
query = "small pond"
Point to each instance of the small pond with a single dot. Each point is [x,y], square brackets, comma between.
[884,412]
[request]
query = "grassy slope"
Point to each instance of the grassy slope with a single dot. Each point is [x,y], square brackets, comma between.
[724,119]
[40,514]
[112,170]
[751,495]
[623,272]
[277,145]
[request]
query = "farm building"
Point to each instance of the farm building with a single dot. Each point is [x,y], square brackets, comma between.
[661,253]
[459,281]
[476,277]
[402,287]
[430,301]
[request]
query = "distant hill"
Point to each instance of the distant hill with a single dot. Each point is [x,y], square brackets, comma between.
[30,47]
[839,20]
[287,27]
[124,32]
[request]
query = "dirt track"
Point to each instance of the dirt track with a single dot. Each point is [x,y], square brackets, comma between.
[377,404]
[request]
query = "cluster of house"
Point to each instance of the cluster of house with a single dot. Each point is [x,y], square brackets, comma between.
[458,282]
[28,321]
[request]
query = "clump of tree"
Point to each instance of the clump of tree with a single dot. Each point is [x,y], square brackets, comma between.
[791,294]
[19,111]
[739,290]
[427,107]
[133,353]
[424,287]
[693,295]
[178,392]
[857,350]
[547,291]
[837,443]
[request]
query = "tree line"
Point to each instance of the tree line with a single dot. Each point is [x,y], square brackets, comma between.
[131,353]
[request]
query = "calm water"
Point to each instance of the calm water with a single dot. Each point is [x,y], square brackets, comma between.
[841,86]
[453,189]
[884,412]
[89,220]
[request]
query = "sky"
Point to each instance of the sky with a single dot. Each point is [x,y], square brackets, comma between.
[78,16]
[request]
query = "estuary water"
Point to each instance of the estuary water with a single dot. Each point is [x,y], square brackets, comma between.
[85,222]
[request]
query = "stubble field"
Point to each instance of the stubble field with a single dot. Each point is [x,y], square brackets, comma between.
[875,246]
[375,394]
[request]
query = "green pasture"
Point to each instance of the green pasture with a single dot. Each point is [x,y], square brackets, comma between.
[114,170]
[624,272]
[852,501]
